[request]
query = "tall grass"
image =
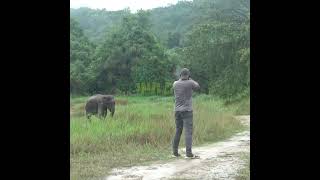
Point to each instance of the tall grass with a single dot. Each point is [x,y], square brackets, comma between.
[141,130]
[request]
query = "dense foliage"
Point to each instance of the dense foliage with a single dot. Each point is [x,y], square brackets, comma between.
[81,51]
[123,52]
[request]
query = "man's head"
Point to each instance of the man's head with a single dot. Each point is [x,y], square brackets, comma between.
[185,73]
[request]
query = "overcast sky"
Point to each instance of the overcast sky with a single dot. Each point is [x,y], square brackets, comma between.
[113,5]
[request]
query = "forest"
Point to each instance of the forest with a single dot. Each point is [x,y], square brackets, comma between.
[125,53]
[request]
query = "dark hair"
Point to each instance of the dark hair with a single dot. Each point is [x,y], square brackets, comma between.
[185,73]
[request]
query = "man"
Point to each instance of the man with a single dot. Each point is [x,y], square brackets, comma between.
[183,89]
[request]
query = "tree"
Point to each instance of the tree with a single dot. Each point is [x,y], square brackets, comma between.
[218,56]
[80,57]
[173,40]
[130,54]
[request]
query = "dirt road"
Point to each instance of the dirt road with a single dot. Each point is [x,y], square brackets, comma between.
[219,160]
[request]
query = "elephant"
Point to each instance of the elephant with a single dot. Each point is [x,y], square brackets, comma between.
[100,104]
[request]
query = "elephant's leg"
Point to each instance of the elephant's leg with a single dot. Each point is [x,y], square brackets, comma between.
[100,111]
[105,114]
[89,117]
[112,109]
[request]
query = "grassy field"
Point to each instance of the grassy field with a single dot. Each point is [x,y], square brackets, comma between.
[141,131]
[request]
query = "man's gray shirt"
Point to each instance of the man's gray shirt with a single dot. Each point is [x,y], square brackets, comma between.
[183,94]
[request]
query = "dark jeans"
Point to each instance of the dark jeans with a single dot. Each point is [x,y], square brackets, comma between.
[183,119]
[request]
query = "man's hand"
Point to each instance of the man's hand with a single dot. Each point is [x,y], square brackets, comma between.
[195,85]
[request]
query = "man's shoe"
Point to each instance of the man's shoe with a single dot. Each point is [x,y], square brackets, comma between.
[176,155]
[192,156]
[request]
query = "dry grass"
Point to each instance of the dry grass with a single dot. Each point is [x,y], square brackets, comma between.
[121,102]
